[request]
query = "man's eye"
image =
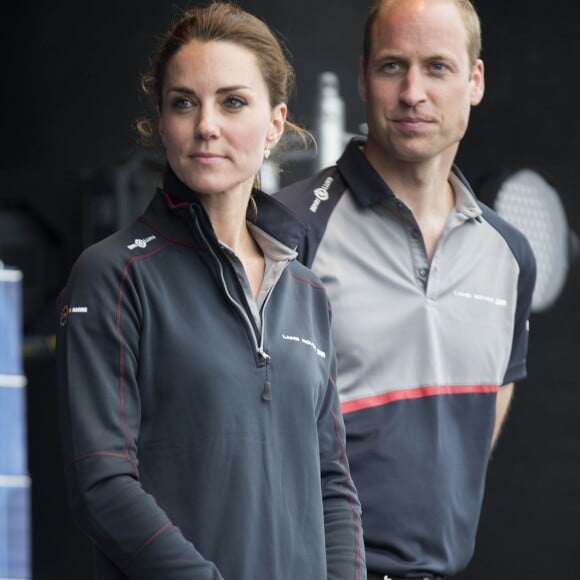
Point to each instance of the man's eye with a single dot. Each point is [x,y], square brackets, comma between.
[390,67]
[439,67]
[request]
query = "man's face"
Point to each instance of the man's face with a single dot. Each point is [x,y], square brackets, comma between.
[418,83]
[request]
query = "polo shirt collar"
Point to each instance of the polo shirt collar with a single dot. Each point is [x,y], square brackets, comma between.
[369,188]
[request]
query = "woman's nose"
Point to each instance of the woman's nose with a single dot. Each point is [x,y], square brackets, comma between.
[207,126]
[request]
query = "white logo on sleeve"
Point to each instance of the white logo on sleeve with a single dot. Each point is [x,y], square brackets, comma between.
[68,310]
[140,243]
[321,194]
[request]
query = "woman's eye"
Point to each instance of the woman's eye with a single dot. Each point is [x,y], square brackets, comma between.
[182,104]
[235,102]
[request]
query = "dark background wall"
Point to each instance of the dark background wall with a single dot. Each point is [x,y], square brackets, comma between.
[69,97]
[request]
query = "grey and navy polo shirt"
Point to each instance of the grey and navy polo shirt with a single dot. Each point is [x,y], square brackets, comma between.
[422,348]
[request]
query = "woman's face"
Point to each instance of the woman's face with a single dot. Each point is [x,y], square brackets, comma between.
[216,119]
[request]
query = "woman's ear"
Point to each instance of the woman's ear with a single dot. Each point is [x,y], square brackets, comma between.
[277,121]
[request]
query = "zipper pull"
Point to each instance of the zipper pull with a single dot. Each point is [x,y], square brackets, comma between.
[267,390]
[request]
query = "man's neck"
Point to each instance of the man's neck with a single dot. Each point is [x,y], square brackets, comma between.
[424,187]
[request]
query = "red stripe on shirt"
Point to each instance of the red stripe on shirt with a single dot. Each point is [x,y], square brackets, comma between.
[418,393]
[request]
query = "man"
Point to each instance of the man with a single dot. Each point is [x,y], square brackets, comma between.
[431,291]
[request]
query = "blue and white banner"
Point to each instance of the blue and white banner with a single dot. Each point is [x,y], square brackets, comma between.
[14,481]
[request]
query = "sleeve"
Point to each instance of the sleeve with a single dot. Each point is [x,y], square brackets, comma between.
[342,510]
[313,200]
[516,369]
[524,256]
[99,407]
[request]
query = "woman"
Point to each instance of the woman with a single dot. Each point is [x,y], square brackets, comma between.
[201,426]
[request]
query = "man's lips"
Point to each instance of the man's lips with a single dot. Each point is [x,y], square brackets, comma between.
[413,122]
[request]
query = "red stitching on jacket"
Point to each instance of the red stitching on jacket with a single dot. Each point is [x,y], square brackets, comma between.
[145,544]
[122,345]
[347,481]
[302,279]
[106,453]
[170,237]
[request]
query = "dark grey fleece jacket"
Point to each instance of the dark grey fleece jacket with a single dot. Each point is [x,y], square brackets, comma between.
[198,445]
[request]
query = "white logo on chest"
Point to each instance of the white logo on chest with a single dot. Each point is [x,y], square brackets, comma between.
[307,342]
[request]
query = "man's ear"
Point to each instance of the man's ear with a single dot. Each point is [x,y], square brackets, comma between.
[477,83]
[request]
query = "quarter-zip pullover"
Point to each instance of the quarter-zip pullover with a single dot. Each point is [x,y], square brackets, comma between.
[201,442]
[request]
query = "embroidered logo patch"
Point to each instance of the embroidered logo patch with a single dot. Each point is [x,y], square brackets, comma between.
[68,310]
[321,194]
[140,243]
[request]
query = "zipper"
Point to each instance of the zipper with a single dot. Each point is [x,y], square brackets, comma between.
[267,389]
[258,340]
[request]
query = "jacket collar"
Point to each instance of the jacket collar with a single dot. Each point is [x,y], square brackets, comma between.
[272,216]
